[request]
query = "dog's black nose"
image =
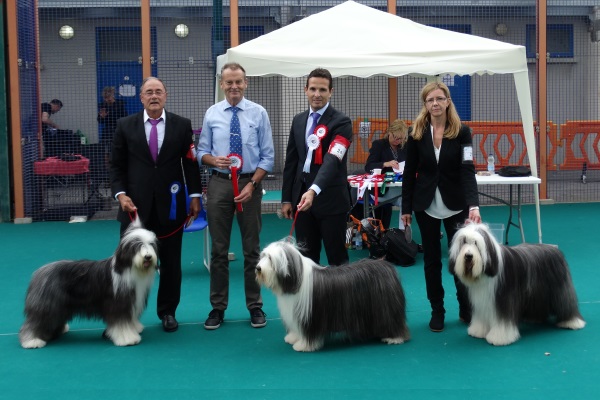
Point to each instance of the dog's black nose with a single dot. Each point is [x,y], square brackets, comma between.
[257,268]
[468,257]
[147,257]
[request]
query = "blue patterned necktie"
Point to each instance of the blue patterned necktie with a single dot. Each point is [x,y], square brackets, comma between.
[153,141]
[315,116]
[235,135]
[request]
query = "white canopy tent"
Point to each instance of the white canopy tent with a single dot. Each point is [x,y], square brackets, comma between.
[350,39]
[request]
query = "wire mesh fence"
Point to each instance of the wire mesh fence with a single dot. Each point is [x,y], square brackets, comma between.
[88,55]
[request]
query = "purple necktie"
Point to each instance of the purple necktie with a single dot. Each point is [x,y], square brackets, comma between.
[315,116]
[153,142]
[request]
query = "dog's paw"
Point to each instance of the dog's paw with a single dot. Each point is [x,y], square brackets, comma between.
[123,335]
[33,343]
[291,338]
[127,340]
[139,328]
[502,336]
[397,340]
[302,345]
[478,329]
[573,323]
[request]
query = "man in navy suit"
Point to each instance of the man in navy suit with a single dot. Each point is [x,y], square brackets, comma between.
[154,188]
[315,174]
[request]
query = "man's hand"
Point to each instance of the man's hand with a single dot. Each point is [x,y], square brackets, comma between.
[126,203]
[286,210]
[306,200]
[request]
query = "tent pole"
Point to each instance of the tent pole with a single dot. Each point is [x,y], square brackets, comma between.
[541,66]
[392,82]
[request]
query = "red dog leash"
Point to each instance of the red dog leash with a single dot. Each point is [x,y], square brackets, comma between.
[133,216]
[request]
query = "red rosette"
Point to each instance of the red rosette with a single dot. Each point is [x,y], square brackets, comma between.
[320,131]
[236,165]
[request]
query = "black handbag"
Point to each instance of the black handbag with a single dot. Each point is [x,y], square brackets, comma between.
[514,170]
[397,250]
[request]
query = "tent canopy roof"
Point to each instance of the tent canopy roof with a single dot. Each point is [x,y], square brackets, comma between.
[351,39]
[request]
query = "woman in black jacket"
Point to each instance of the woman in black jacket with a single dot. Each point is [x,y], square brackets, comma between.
[439,185]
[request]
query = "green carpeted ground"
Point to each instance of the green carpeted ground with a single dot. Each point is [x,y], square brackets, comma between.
[237,361]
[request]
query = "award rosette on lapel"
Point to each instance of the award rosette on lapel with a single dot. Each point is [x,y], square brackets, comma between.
[313,141]
[236,165]
[321,131]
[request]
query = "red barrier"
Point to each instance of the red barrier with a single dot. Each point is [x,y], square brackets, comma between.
[366,130]
[585,136]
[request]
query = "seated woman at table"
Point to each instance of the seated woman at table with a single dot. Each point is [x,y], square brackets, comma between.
[387,154]
[439,186]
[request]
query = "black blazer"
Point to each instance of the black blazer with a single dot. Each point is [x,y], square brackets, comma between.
[381,152]
[331,176]
[134,172]
[423,174]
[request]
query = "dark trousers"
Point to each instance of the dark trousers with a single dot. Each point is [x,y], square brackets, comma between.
[331,229]
[169,256]
[220,210]
[432,256]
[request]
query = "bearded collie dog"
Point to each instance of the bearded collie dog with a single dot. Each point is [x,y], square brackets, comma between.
[362,300]
[114,290]
[506,285]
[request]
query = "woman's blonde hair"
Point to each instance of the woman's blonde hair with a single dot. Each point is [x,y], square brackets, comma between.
[424,119]
[397,126]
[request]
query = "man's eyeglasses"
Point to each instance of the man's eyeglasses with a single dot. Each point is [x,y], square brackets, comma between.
[436,99]
[153,92]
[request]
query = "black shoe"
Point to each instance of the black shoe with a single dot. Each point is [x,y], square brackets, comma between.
[215,317]
[257,318]
[169,323]
[436,324]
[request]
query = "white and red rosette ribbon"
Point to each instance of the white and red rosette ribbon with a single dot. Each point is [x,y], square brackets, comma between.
[313,144]
[236,165]
[367,181]
[321,132]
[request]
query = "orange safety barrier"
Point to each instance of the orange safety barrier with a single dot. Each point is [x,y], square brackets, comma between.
[510,133]
[585,135]
[502,133]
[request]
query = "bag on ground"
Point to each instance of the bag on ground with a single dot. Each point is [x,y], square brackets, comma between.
[397,250]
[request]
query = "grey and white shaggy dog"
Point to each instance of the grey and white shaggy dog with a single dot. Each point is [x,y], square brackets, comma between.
[362,300]
[506,285]
[114,290]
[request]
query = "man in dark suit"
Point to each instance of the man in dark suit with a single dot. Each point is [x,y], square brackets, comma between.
[315,174]
[152,150]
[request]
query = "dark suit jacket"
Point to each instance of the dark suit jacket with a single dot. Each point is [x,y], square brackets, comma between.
[134,172]
[422,173]
[381,152]
[331,176]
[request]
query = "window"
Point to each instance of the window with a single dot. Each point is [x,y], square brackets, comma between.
[246,33]
[559,41]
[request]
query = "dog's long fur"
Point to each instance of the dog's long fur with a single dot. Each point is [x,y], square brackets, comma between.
[528,282]
[361,300]
[115,290]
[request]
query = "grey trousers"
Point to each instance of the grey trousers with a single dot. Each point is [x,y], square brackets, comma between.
[220,212]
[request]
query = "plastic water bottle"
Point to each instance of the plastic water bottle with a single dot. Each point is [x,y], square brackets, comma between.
[491,168]
[358,240]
